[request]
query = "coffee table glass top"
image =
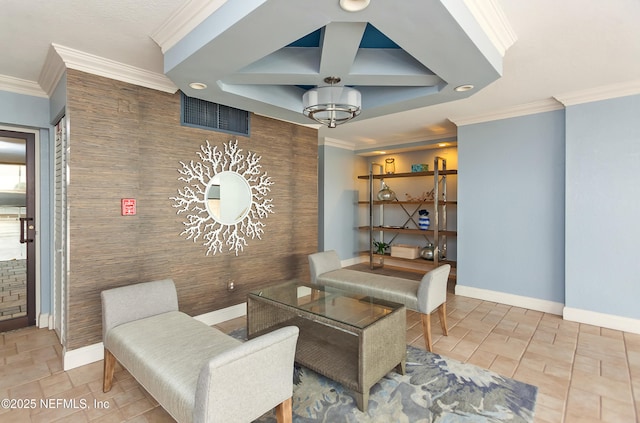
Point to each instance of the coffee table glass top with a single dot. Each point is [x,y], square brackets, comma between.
[348,308]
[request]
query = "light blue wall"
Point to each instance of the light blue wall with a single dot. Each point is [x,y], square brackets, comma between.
[603,207]
[321,202]
[511,206]
[23,111]
[46,220]
[58,101]
[338,170]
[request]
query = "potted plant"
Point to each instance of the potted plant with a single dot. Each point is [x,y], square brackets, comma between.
[380,246]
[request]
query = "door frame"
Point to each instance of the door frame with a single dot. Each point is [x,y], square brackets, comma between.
[33,283]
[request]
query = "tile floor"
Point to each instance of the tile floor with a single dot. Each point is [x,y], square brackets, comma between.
[584,373]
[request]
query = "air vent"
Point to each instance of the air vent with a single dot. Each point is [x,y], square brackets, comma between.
[207,115]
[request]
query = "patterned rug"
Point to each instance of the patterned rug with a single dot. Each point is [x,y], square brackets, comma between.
[434,389]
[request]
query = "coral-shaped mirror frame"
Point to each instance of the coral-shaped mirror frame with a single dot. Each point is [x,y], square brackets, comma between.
[191,200]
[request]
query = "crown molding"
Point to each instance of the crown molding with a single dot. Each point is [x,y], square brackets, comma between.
[494,22]
[541,106]
[85,62]
[604,92]
[52,71]
[444,136]
[21,86]
[424,143]
[333,142]
[183,21]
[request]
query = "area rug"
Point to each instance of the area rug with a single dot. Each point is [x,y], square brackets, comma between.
[434,389]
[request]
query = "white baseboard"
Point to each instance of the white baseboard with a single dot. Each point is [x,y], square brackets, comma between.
[45,320]
[511,299]
[303,291]
[353,260]
[222,315]
[95,352]
[595,318]
[81,356]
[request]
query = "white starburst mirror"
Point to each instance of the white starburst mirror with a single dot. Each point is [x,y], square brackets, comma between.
[225,199]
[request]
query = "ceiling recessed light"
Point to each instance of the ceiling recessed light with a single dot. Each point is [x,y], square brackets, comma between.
[465,87]
[442,144]
[198,85]
[354,5]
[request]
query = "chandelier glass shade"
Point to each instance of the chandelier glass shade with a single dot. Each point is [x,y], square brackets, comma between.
[332,105]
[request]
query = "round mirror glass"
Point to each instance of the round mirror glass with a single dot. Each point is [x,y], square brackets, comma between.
[228,197]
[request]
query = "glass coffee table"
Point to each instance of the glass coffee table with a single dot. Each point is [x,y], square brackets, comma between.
[352,339]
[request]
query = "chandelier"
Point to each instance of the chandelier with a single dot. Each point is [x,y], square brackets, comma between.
[331,105]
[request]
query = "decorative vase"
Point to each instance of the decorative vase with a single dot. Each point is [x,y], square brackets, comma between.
[423,221]
[386,194]
[427,252]
[389,165]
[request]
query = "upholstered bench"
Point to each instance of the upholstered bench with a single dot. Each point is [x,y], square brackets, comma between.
[423,296]
[194,371]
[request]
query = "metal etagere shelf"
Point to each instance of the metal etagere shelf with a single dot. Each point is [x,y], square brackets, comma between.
[438,229]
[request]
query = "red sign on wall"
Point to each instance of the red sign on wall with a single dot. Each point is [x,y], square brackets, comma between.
[128,206]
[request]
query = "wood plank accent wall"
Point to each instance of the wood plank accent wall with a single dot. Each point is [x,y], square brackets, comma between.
[126,141]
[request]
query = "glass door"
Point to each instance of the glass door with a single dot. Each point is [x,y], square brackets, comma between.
[17,231]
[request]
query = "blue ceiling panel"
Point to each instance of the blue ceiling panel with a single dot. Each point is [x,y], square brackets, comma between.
[309,40]
[373,38]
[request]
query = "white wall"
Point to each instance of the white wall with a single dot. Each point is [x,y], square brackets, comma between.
[511,207]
